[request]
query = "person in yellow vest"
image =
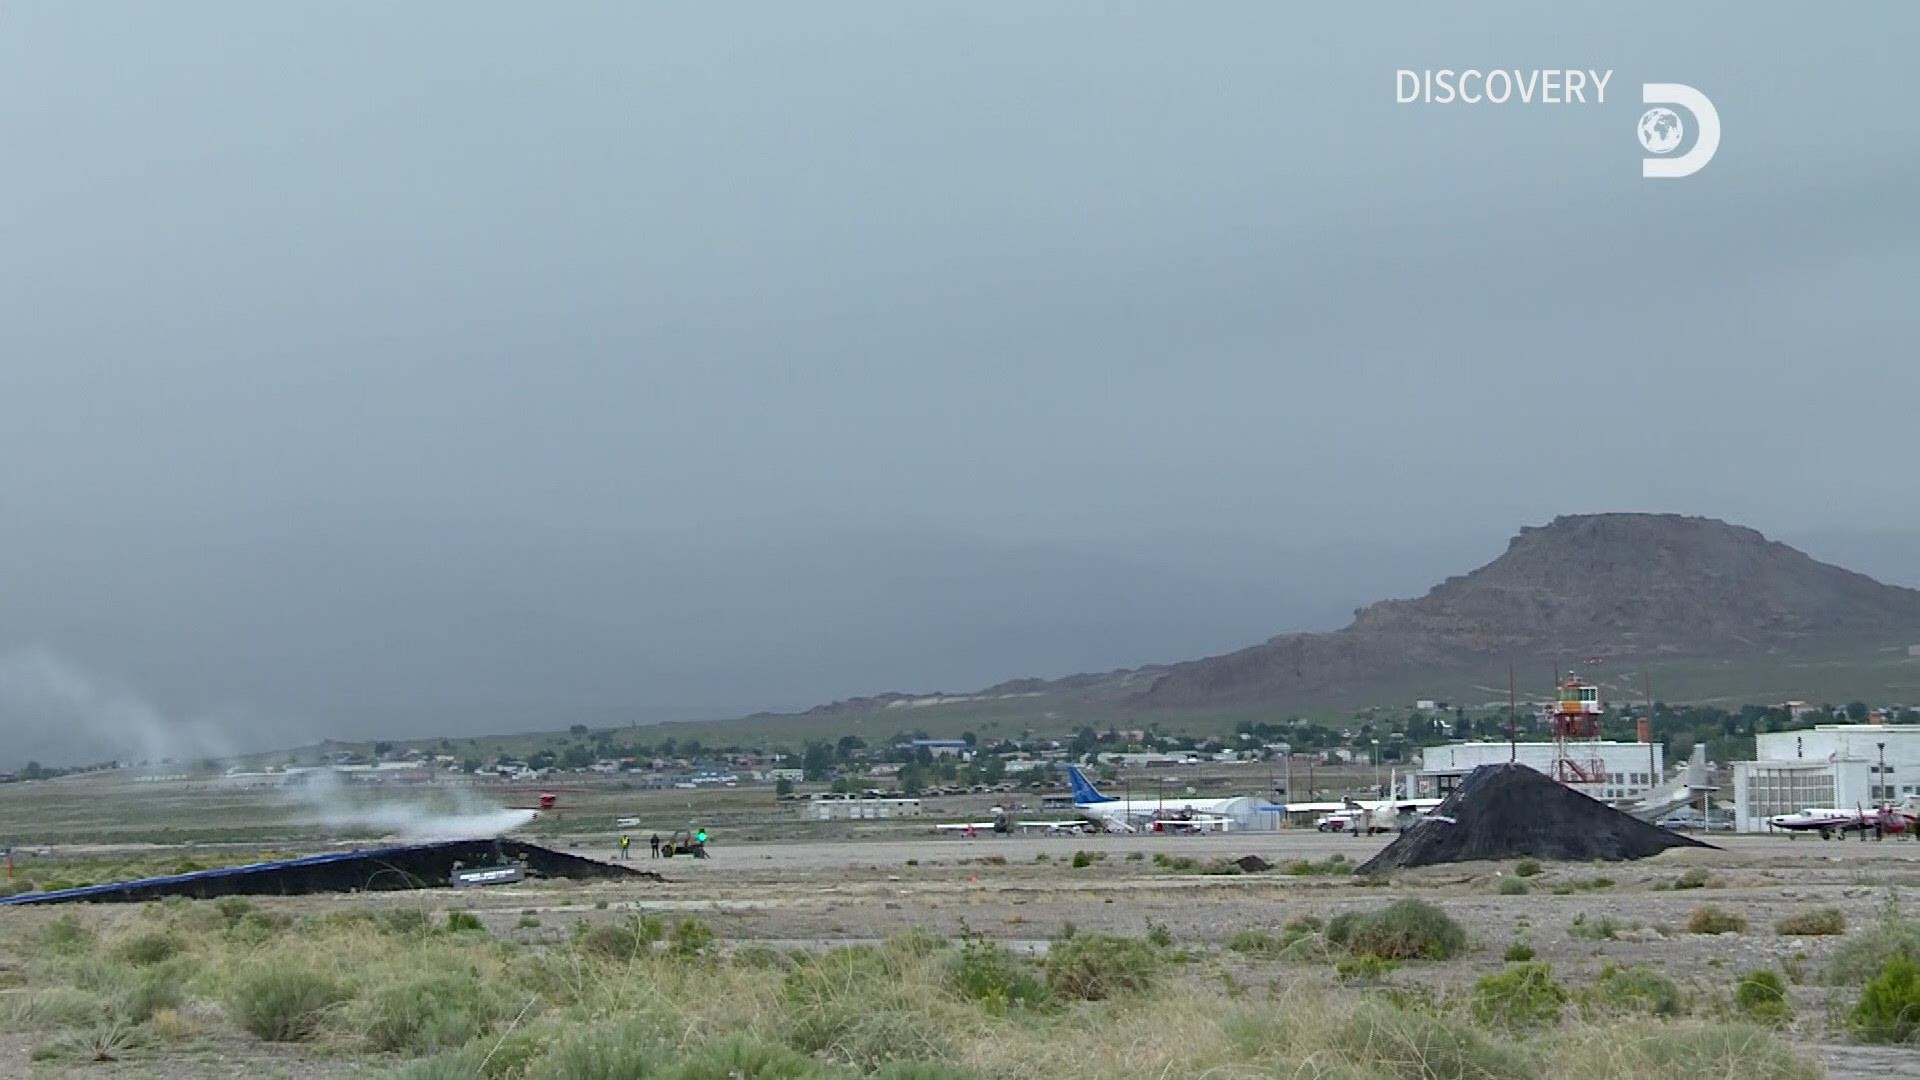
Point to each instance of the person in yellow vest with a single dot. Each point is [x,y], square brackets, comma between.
[623,845]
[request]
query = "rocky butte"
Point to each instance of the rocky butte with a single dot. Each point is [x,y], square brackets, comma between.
[1593,585]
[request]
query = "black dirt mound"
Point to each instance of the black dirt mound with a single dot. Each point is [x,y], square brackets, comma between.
[1252,864]
[406,866]
[1511,812]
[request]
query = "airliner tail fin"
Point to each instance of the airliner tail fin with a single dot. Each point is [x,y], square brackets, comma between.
[1083,789]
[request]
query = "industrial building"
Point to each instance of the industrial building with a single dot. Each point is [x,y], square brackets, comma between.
[831,807]
[940,748]
[1842,766]
[1629,770]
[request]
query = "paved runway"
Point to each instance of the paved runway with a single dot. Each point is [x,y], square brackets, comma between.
[1282,846]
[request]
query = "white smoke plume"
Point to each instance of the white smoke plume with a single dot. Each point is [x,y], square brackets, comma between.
[40,688]
[332,802]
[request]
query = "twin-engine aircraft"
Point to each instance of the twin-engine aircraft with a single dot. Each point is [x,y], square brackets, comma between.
[1831,821]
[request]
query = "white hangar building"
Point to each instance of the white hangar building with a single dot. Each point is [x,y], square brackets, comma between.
[1832,765]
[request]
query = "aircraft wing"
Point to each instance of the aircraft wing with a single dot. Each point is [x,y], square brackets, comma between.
[1192,824]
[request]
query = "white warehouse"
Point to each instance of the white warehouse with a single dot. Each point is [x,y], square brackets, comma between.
[1632,768]
[1832,765]
[826,807]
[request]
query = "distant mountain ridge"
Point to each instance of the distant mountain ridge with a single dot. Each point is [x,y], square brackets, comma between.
[1603,585]
[1611,587]
[1693,608]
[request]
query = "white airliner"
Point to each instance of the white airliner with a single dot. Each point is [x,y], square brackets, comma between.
[1176,813]
[1106,813]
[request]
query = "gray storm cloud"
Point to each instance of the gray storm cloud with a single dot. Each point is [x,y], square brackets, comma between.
[482,367]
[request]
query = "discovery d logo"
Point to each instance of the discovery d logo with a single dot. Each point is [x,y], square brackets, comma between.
[1661,130]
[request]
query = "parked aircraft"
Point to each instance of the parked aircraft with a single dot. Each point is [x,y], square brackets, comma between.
[1376,815]
[1828,821]
[1003,824]
[1188,823]
[1130,815]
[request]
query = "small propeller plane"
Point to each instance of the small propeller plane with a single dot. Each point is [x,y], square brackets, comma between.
[1829,821]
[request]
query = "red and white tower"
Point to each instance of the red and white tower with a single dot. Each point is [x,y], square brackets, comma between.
[1575,721]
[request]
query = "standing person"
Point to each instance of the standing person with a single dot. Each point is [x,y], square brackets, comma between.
[623,846]
[656,845]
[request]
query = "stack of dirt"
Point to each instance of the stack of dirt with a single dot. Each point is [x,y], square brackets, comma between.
[1511,812]
[403,866]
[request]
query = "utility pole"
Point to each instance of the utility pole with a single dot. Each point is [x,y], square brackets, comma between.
[1513,732]
[1646,683]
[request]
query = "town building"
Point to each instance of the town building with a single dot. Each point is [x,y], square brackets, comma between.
[941,747]
[1151,760]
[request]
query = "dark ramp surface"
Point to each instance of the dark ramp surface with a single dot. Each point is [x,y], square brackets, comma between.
[404,866]
[1512,812]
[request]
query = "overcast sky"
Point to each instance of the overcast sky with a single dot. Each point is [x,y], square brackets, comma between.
[457,366]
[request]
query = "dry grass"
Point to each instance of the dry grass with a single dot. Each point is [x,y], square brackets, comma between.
[1864,953]
[408,995]
[1708,919]
[1812,923]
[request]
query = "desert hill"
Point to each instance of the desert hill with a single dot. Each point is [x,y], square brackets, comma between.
[1606,585]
